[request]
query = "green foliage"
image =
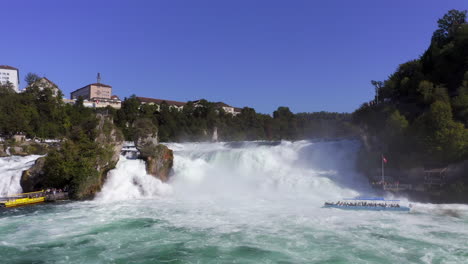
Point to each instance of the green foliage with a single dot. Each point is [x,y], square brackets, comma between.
[6,89]
[460,104]
[197,121]
[442,139]
[36,112]
[30,78]
[82,160]
[144,127]
[421,111]
[449,23]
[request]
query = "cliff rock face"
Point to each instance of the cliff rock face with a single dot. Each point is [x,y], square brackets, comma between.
[3,152]
[109,136]
[110,142]
[32,178]
[81,163]
[159,160]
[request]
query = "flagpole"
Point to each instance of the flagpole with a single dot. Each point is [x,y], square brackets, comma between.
[383,177]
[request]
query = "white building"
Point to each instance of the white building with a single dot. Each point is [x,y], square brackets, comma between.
[153,101]
[9,74]
[43,83]
[229,109]
[96,95]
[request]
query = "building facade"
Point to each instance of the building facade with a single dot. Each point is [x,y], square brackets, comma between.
[44,83]
[180,105]
[97,95]
[153,101]
[92,91]
[229,109]
[9,74]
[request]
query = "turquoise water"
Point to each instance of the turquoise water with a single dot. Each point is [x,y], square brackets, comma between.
[249,204]
[155,231]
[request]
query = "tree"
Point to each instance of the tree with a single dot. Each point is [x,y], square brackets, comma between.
[426,89]
[450,21]
[286,122]
[460,104]
[443,140]
[30,78]
[7,88]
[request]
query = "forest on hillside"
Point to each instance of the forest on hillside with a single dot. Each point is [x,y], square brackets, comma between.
[420,113]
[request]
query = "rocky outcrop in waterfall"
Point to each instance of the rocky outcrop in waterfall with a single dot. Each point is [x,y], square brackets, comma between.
[109,141]
[109,136]
[3,152]
[32,179]
[81,163]
[159,158]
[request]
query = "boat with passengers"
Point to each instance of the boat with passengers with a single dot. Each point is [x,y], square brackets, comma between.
[371,204]
[21,199]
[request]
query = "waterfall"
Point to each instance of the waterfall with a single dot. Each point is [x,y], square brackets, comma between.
[11,169]
[314,171]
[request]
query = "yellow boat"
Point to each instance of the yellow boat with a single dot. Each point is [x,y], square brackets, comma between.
[20,199]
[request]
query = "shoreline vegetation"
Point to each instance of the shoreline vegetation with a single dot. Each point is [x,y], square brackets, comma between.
[418,120]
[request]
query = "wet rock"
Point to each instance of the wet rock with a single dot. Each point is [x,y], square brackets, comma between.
[159,160]
[3,152]
[33,178]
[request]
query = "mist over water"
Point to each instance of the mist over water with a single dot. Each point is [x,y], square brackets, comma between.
[252,171]
[250,202]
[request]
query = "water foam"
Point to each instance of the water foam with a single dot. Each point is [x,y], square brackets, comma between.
[301,169]
[129,181]
[11,169]
[311,171]
[244,202]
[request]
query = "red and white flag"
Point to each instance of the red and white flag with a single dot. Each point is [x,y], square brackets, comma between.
[384,159]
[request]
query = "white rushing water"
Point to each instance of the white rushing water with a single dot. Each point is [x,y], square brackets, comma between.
[254,202]
[301,170]
[10,173]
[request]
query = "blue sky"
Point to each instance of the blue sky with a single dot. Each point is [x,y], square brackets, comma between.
[308,55]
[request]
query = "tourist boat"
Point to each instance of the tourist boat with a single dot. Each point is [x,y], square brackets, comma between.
[370,204]
[22,199]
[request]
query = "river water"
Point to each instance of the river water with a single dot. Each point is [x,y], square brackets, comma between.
[253,202]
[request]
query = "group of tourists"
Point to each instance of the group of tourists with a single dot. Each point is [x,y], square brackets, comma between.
[48,191]
[54,191]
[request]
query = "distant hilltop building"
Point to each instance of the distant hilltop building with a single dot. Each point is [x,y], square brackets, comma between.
[44,83]
[158,102]
[94,90]
[227,108]
[97,95]
[180,105]
[9,74]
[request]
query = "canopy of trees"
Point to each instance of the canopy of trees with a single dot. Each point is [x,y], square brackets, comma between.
[197,123]
[38,113]
[420,113]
